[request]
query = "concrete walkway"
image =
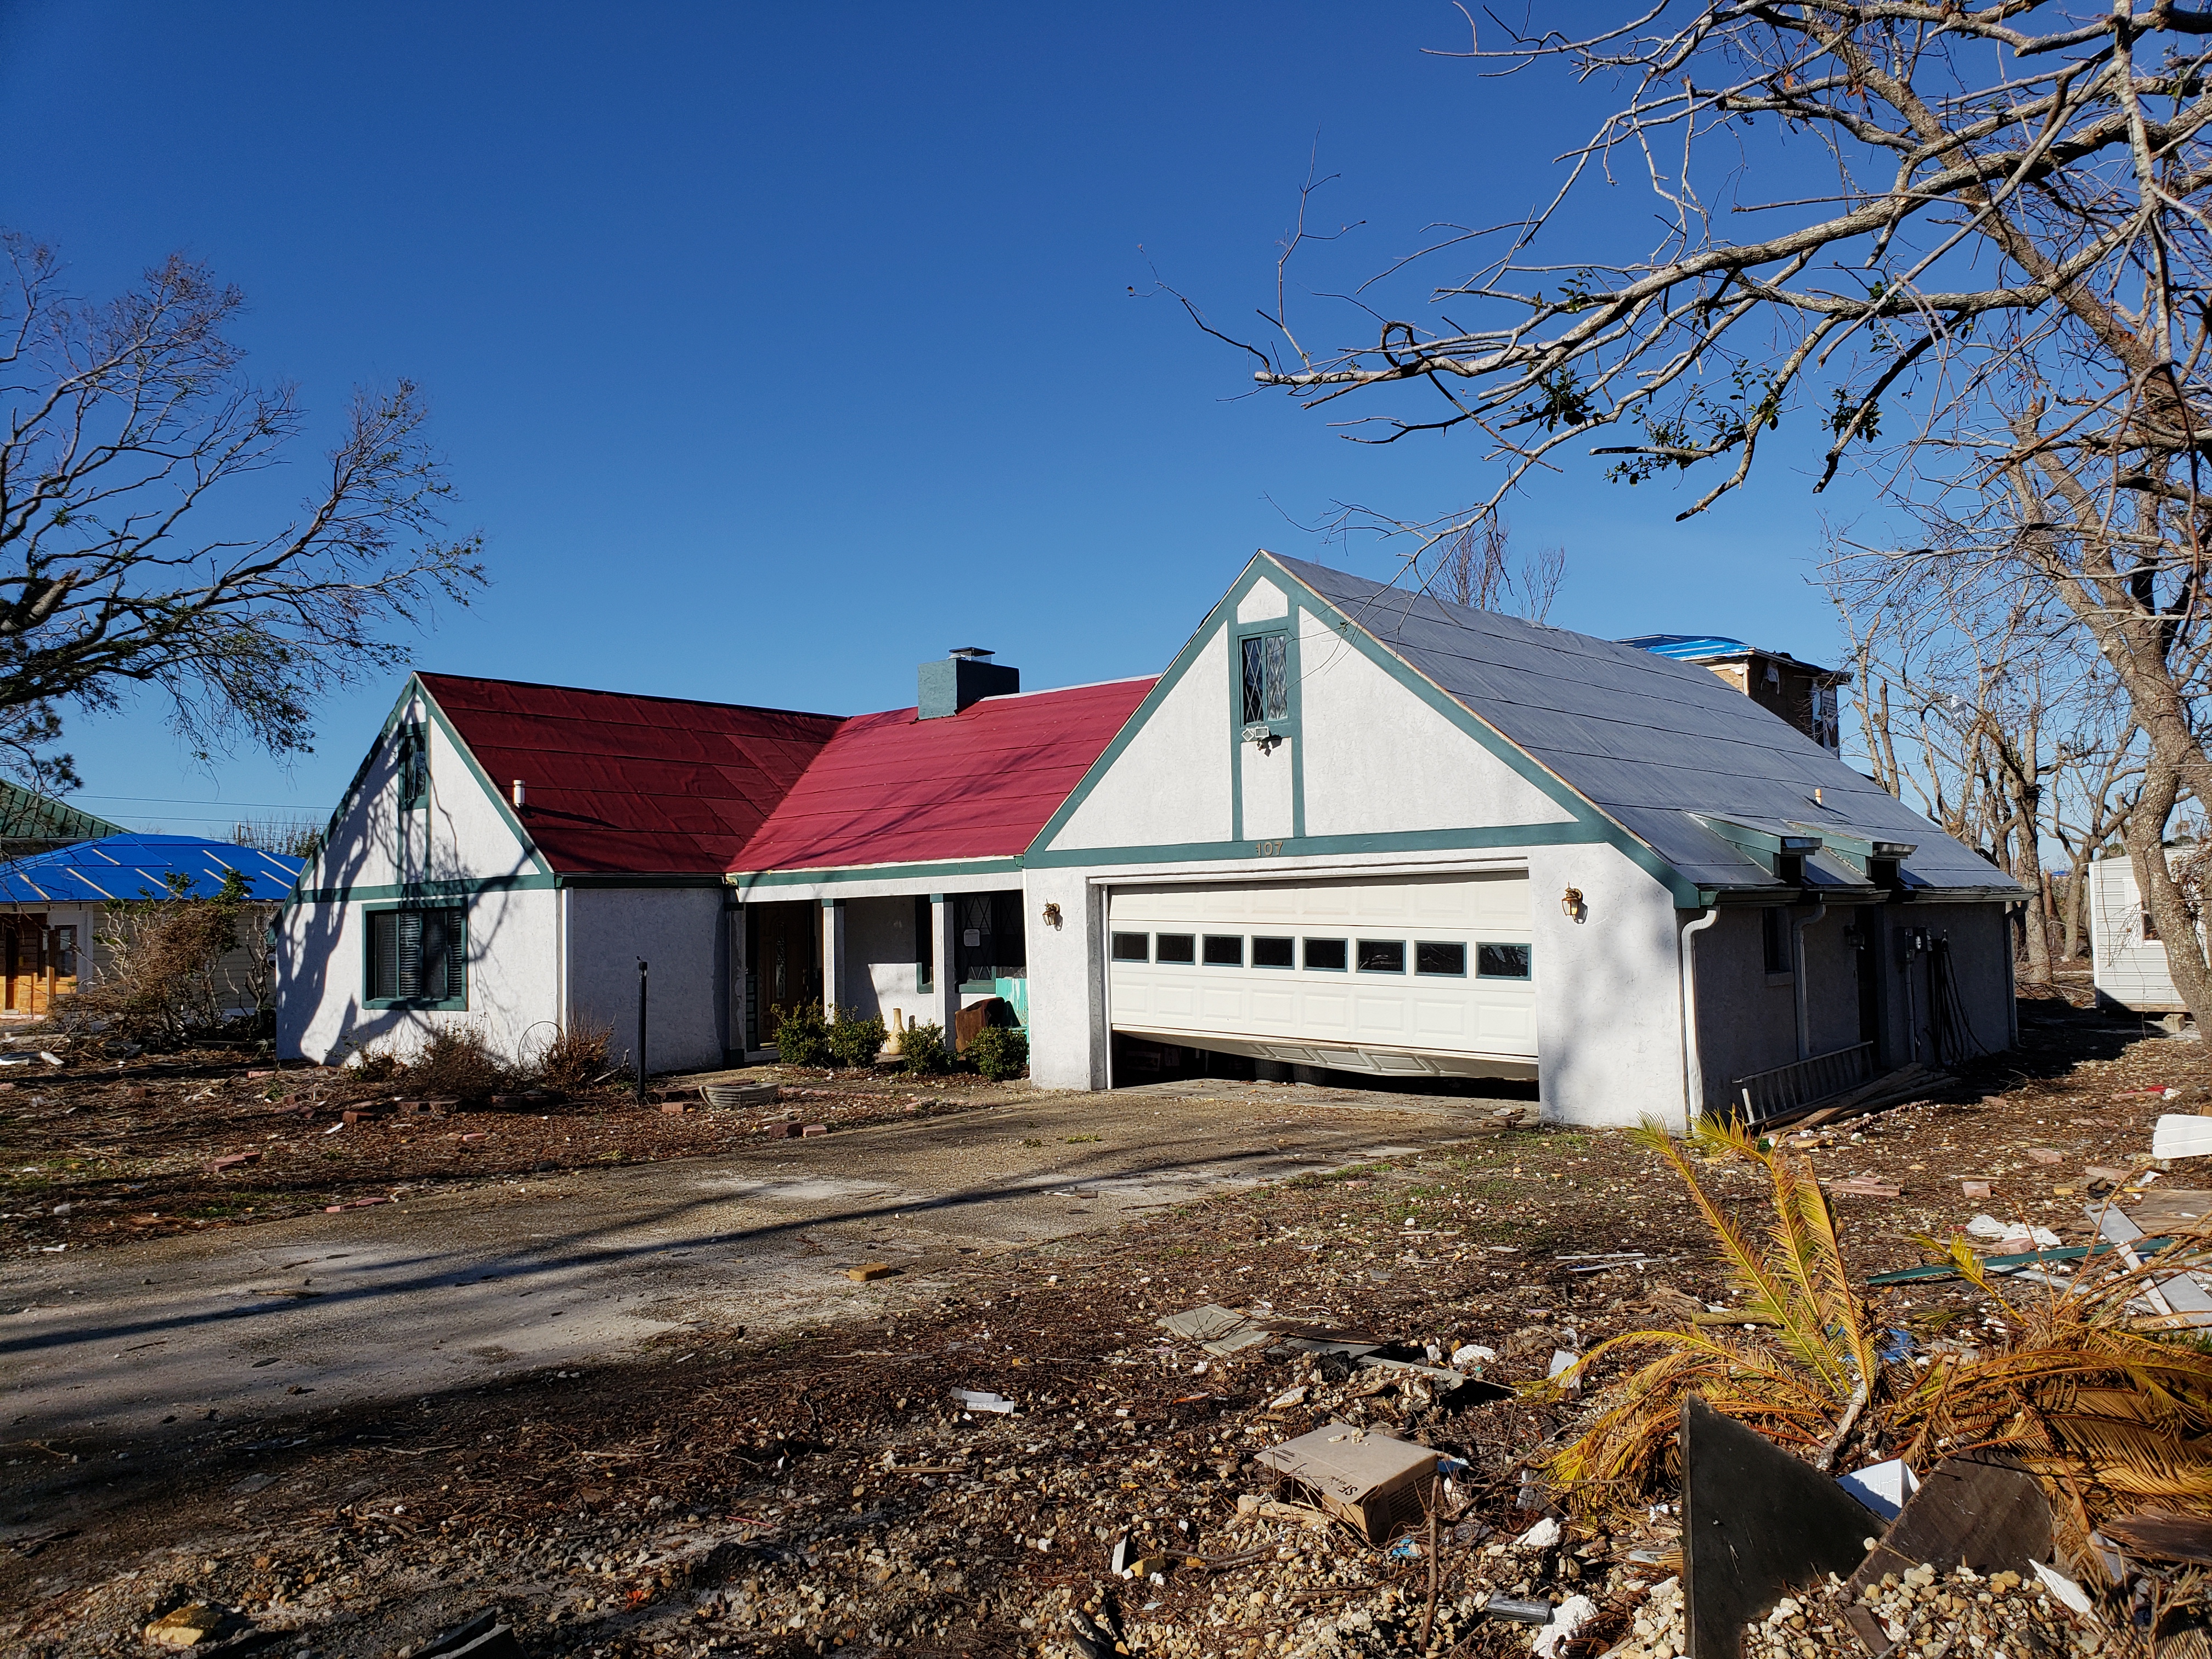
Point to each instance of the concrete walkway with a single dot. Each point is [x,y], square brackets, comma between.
[579,1268]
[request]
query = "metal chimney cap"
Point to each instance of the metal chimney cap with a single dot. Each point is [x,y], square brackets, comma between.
[971,652]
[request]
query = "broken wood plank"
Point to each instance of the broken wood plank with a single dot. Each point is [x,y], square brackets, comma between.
[1756,1524]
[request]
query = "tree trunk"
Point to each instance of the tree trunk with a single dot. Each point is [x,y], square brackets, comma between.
[2077,888]
[2162,895]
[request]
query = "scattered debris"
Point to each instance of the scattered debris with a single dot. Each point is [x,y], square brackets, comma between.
[2182,1135]
[982,1400]
[1374,1482]
[1882,1488]
[1757,1523]
[191,1625]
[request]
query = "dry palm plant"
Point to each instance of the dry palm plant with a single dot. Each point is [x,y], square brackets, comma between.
[2111,1405]
[1801,1375]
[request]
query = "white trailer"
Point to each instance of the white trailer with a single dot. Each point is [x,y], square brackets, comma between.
[2128,963]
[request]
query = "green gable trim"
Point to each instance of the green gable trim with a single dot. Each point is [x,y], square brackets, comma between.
[1593,824]
[492,791]
[352,798]
[919,872]
[1474,838]
[1224,612]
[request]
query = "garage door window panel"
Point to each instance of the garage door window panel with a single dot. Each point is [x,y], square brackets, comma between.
[1326,955]
[1382,956]
[1270,952]
[1175,948]
[1445,958]
[1224,950]
[1502,961]
[1133,947]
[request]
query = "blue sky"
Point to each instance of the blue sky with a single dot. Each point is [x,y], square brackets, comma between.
[776,350]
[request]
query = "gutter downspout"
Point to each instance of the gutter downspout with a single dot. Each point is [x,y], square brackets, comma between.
[1797,965]
[1693,1067]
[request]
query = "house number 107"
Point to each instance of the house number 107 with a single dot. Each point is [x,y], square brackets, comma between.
[1267,849]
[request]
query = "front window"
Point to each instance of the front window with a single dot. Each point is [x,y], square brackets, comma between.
[416,955]
[1267,678]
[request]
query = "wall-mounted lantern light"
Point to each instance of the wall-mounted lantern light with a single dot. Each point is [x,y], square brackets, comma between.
[1571,903]
[1052,916]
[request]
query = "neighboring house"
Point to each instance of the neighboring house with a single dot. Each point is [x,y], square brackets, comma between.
[1349,828]
[31,822]
[1802,694]
[2127,958]
[52,903]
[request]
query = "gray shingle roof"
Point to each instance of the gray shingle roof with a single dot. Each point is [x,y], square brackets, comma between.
[1647,740]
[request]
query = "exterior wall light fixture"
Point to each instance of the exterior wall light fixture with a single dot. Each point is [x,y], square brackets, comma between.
[1052,916]
[1571,905]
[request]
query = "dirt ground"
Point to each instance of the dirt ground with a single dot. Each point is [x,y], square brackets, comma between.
[819,1489]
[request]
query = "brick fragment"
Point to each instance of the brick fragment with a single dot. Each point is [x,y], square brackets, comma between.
[868,1270]
[816,1129]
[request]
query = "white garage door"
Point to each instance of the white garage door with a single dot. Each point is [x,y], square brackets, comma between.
[1410,974]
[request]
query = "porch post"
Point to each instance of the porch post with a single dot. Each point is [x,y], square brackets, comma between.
[944,911]
[833,956]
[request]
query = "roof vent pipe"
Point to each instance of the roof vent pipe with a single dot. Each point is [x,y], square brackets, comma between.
[517,793]
[966,676]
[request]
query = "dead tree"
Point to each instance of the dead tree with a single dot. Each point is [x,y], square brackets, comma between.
[1481,568]
[129,425]
[1983,262]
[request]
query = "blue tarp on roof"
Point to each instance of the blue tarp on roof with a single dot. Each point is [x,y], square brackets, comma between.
[140,866]
[1688,647]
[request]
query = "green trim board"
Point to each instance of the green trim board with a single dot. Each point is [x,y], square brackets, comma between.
[426,891]
[1475,838]
[993,866]
[1598,825]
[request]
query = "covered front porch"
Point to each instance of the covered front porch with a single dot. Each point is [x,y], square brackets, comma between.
[902,954]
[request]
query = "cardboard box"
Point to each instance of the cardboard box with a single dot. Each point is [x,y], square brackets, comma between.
[1374,1482]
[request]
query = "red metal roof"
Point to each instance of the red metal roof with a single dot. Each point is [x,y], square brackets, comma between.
[621,784]
[892,789]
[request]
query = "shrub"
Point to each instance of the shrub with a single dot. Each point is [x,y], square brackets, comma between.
[922,1049]
[855,1042]
[801,1036]
[456,1063]
[165,978]
[576,1058]
[1000,1052]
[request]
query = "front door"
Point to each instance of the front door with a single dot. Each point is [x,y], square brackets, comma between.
[24,939]
[783,964]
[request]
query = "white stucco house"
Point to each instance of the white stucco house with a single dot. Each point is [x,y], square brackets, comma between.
[1349,829]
